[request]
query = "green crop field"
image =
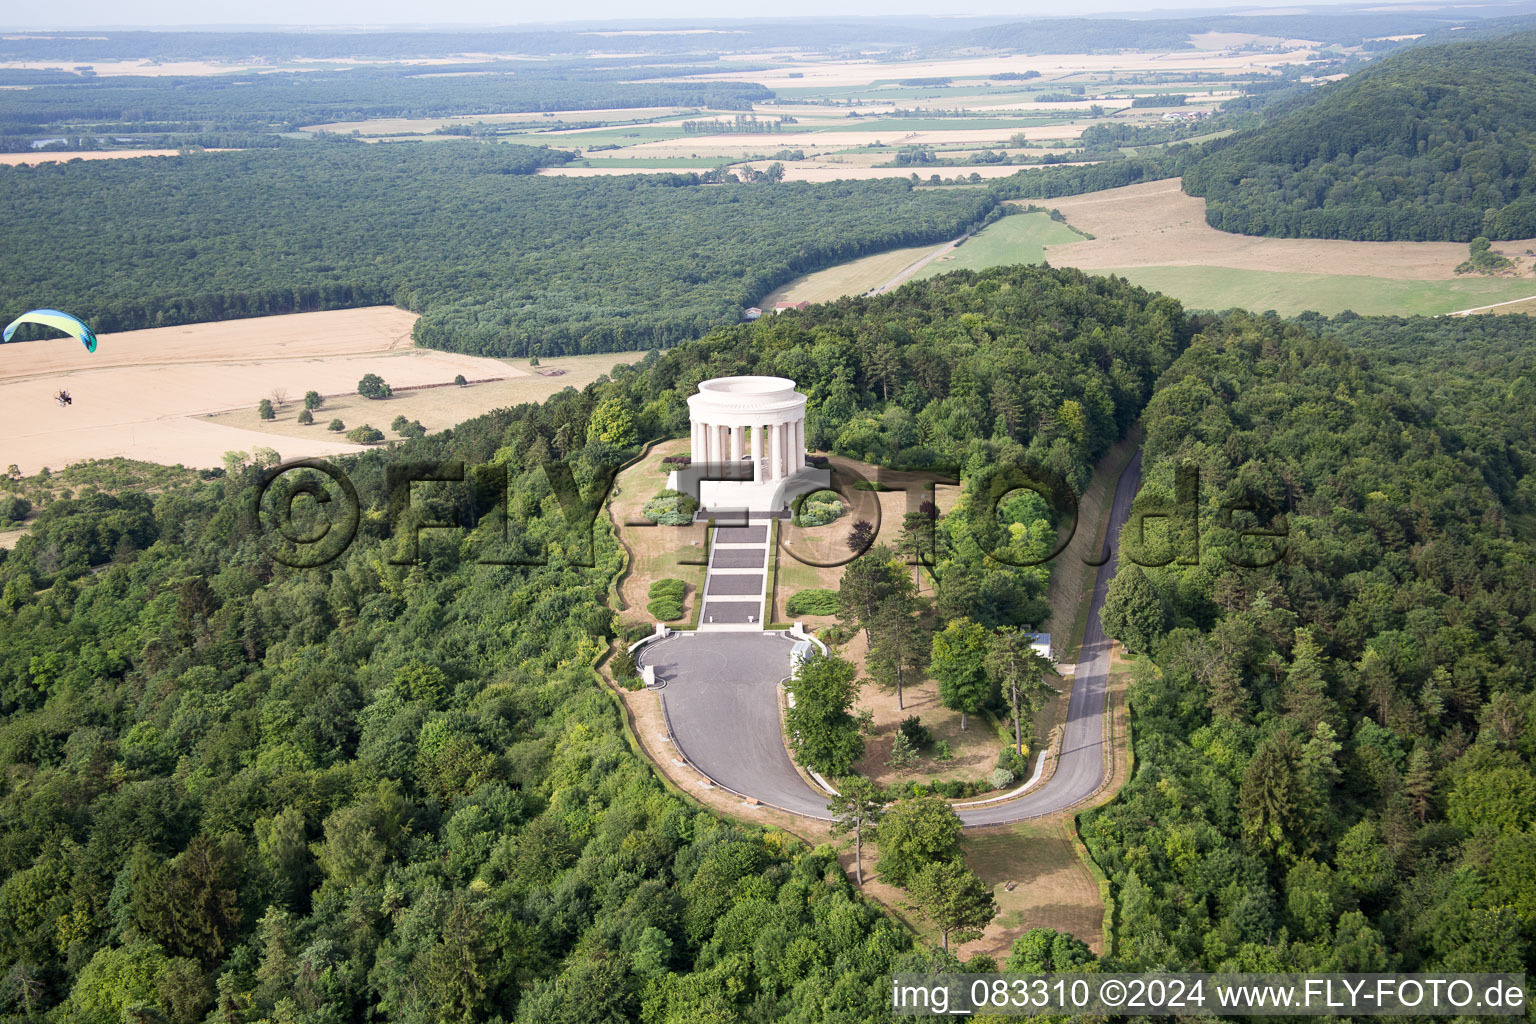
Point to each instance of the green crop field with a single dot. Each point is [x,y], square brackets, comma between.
[1289,294]
[1021,238]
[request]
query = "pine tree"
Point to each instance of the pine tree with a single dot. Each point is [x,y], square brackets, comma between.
[898,643]
[1013,661]
[1419,781]
[857,805]
[1305,693]
[1276,802]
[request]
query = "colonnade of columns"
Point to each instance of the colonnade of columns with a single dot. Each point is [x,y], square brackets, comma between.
[778,449]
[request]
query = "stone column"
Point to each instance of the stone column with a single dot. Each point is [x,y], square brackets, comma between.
[736,431]
[695,431]
[797,450]
[722,441]
[776,459]
[757,453]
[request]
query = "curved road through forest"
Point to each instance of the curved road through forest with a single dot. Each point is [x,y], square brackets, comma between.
[720,698]
[1080,766]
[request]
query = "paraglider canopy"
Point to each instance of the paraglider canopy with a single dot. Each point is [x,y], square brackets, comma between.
[70,325]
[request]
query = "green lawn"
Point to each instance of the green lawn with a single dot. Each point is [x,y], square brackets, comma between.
[1020,238]
[1289,294]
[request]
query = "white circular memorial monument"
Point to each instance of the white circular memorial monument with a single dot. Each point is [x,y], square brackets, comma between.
[748,444]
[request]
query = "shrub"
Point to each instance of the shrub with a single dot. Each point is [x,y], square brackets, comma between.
[941,751]
[835,634]
[459,380]
[337,426]
[311,400]
[365,435]
[306,417]
[1001,778]
[903,753]
[399,423]
[665,609]
[668,588]
[14,509]
[818,508]
[1015,762]
[264,409]
[916,732]
[666,599]
[623,666]
[812,602]
[670,508]
[373,386]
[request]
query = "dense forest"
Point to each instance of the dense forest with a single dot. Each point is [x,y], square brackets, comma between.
[284,101]
[1434,143]
[1334,754]
[234,791]
[496,259]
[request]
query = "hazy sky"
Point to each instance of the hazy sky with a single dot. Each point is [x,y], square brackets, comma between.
[75,13]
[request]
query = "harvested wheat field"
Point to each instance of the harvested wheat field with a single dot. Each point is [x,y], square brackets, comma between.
[1155,224]
[864,72]
[436,408]
[59,156]
[297,336]
[141,394]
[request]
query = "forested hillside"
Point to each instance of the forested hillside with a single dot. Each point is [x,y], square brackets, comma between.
[239,789]
[1089,35]
[496,259]
[1437,142]
[1334,754]
[55,101]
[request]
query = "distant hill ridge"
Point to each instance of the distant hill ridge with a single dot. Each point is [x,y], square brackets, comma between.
[1434,143]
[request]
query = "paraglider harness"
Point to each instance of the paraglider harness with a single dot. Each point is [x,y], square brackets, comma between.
[63,399]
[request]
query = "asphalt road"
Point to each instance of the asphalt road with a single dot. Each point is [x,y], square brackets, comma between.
[1080,769]
[721,703]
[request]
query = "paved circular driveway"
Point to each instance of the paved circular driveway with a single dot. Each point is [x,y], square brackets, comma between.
[721,701]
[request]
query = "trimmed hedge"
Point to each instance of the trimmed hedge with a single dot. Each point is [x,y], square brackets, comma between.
[670,508]
[666,596]
[812,602]
[819,508]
